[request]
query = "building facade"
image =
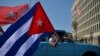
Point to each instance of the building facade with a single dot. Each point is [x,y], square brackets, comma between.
[88,28]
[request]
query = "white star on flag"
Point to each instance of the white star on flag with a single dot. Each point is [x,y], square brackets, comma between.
[39,22]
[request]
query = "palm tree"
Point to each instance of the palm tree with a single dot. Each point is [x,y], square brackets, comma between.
[74,25]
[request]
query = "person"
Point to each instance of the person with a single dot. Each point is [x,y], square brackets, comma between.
[53,39]
[67,38]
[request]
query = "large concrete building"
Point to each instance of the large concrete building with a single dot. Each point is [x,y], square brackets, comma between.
[88,22]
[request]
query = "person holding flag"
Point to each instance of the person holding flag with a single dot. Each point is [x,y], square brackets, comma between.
[53,40]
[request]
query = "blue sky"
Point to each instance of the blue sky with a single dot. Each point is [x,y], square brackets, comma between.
[58,11]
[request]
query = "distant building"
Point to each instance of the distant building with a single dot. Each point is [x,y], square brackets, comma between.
[88,29]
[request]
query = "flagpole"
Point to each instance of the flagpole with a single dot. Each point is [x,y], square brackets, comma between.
[1,30]
[30,3]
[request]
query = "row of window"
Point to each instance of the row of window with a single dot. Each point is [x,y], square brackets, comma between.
[89,22]
[95,28]
[89,13]
[88,5]
[89,19]
[89,40]
[81,4]
[80,1]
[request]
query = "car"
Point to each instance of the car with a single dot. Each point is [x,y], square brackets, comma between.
[67,49]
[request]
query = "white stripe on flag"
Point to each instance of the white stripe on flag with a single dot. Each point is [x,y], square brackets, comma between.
[9,43]
[28,44]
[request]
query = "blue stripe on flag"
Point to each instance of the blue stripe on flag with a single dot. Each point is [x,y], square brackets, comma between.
[17,45]
[35,45]
[17,25]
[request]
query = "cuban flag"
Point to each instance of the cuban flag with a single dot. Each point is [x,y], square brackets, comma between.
[23,37]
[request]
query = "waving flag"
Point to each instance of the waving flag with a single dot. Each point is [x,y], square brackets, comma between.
[23,37]
[77,11]
[9,15]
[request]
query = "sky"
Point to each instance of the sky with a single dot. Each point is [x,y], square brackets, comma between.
[58,11]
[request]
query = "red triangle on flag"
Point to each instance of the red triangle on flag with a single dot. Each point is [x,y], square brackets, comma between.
[40,22]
